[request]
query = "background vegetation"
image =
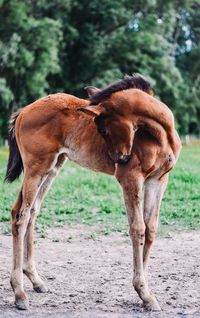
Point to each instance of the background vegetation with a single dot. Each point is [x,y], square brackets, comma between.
[82,196]
[64,45]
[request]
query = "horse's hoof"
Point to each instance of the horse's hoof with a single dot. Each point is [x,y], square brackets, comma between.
[152,306]
[41,289]
[22,304]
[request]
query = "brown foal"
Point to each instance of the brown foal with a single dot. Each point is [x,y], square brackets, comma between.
[122,131]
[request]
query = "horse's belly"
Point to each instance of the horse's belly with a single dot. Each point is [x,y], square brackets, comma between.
[93,162]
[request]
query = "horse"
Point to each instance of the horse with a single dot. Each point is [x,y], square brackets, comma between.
[121,130]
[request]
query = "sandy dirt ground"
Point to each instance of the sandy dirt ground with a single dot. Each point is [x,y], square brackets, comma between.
[90,275]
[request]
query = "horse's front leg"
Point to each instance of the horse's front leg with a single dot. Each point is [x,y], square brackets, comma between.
[154,190]
[132,189]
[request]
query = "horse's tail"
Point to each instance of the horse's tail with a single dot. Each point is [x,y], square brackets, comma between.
[15,164]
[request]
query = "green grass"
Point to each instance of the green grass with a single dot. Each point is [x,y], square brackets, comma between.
[82,196]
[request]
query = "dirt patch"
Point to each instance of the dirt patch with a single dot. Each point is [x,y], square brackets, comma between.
[90,275]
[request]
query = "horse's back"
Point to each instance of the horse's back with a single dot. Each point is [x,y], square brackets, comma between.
[54,102]
[40,124]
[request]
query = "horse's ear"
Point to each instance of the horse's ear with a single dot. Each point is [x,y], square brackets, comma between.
[91,90]
[92,111]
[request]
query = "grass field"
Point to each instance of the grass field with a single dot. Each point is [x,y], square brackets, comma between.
[82,196]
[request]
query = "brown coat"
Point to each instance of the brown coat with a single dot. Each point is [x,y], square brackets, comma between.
[129,134]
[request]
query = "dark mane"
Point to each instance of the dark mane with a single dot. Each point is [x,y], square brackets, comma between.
[134,81]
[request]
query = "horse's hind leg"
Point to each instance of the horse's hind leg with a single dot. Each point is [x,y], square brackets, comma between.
[20,219]
[29,267]
[154,190]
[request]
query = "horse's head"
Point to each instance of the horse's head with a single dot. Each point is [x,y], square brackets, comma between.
[113,122]
[116,129]
[124,106]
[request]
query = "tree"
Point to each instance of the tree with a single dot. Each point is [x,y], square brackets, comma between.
[27,56]
[64,45]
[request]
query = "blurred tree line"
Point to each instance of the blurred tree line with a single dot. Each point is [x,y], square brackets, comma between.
[64,45]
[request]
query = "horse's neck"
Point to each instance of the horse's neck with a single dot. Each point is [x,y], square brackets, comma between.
[85,146]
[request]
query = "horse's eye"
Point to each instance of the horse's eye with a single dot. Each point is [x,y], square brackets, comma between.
[103,132]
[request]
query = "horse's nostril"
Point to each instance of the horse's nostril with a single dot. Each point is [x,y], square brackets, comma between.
[170,157]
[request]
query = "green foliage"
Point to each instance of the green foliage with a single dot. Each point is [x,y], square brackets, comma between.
[82,196]
[50,46]
[28,55]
